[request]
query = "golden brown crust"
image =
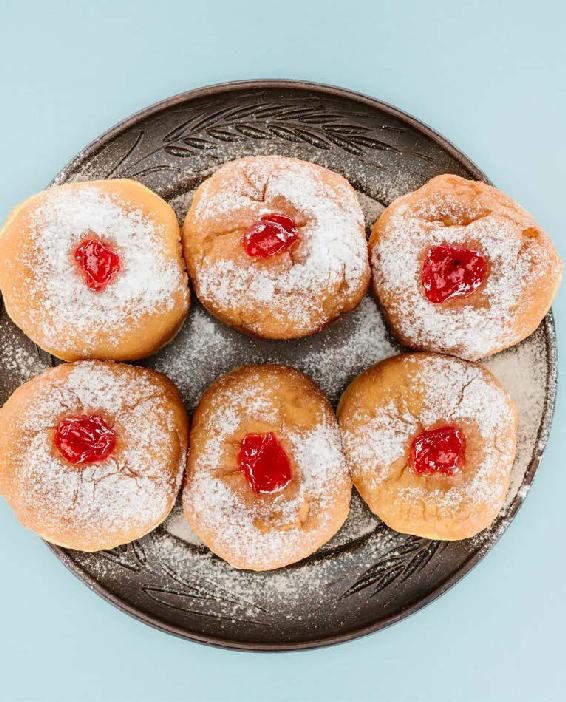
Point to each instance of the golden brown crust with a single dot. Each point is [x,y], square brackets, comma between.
[265,531]
[124,327]
[524,269]
[100,505]
[297,293]
[387,406]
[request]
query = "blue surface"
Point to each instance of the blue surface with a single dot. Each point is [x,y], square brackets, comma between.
[488,75]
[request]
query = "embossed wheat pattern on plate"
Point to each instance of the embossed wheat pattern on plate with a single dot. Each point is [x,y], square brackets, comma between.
[171,588]
[194,594]
[314,125]
[396,565]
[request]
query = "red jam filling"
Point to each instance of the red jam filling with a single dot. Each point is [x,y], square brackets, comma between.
[271,235]
[450,272]
[438,451]
[84,439]
[264,462]
[98,263]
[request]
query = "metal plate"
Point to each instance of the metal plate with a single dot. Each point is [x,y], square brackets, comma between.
[367,577]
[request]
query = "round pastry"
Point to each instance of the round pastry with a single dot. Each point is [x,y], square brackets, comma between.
[92,453]
[94,270]
[267,483]
[431,442]
[460,268]
[276,247]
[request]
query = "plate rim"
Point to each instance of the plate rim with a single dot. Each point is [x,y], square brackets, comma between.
[94,147]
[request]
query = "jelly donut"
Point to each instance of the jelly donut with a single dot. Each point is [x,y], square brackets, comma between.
[431,442]
[460,268]
[92,453]
[276,247]
[267,483]
[94,270]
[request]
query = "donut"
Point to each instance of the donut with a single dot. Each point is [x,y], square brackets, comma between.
[94,270]
[430,441]
[267,483]
[276,247]
[459,268]
[92,453]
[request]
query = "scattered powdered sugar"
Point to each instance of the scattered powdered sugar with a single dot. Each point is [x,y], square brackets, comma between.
[205,348]
[522,370]
[132,488]
[146,283]
[453,392]
[178,526]
[295,591]
[20,359]
[346,350]
[331,258]
[187,576]
[470,331]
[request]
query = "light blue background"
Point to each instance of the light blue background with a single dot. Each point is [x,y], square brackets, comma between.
[488,75]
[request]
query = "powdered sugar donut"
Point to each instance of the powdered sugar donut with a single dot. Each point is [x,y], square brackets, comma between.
[276,246]
[460,268]
[431,442]
[267,483]
[92,453]
[94,270]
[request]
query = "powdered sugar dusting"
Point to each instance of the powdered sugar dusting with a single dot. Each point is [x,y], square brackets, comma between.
[20,359]
[331,258]
[146,283]
[385,438]
[132,488]
[453,392]
[469,331]
[321,480]
[206,348]
[522,370]
[337,357]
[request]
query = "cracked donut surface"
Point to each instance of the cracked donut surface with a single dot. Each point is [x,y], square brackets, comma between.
[105,503]
[522,268]
[385,408]
[294,293]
